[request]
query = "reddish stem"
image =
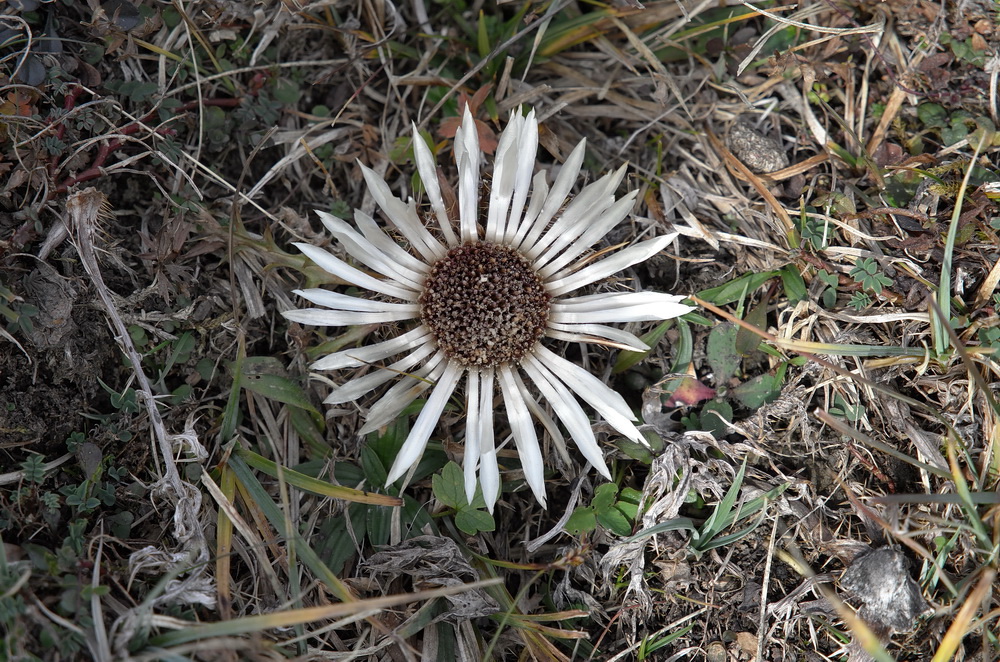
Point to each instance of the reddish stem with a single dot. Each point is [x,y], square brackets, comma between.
[96,170]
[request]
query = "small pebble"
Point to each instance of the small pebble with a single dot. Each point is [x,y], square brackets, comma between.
[757,152]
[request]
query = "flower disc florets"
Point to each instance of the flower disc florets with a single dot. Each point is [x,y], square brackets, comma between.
[484,304]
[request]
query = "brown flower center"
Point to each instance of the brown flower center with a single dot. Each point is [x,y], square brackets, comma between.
[484,304]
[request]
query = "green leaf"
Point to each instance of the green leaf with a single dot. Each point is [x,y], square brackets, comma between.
[737,288]
[721,516]
[795,286]
[683,347]
[932,115]
[629,502]
[287,92]
[758,391]
[634,450]
[472,521]
[676,524]
[615,521]
[721,351]
[482,36]
[583,520]
[378,521]
[315,485]
[627,358]
[746,340]
[604,496]
[449,486]
[712,423]
[259,375]
[334,544]
[376,473]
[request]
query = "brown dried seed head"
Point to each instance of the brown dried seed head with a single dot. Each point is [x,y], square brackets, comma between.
[484,304]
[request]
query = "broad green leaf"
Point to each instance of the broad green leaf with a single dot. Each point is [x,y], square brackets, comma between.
[758,391]
[449,486]
[722,353]
[794,284]
[581,521]
[376,472]
[634,450]
[737,288]
[746,340]
[379,524]
[334,543]
[710,422]
[261,375]
[604,496]
[615,521]
[472,521]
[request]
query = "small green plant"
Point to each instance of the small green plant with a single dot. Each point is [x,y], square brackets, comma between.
[951,126]
[34,468]
[829,294]
[17,314]
[449,488]
[662,638]
[725,515]
[815,231]
[727,349]
[844,409]
[860,300]
[866,272]
[614,509]
[964,49]
[339,537]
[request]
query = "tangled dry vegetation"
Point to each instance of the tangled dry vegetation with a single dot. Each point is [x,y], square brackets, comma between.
[823,481]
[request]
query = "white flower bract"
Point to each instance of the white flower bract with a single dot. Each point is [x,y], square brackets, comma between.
[484,291]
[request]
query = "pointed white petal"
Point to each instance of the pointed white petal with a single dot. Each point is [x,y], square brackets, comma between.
[344,271]
[554,201]
[489,472]
[359,356]
[592,201]
[518,227]
[569,412]
[527,151]
[607,402]
[467,158]
[609,265]
[399,397]
[473,433]
[621,307]
[600,300]
[555,258]
[403,216]
[597,334]
[428,175]
[367,253]
[523,429]
[355,388]
[370,229]
[542,416]
[322,317]
[339,301]
[429,416]
[505,162]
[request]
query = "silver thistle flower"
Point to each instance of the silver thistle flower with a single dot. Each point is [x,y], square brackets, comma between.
[484,292]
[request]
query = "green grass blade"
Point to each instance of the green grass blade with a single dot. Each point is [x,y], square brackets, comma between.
[315,485]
